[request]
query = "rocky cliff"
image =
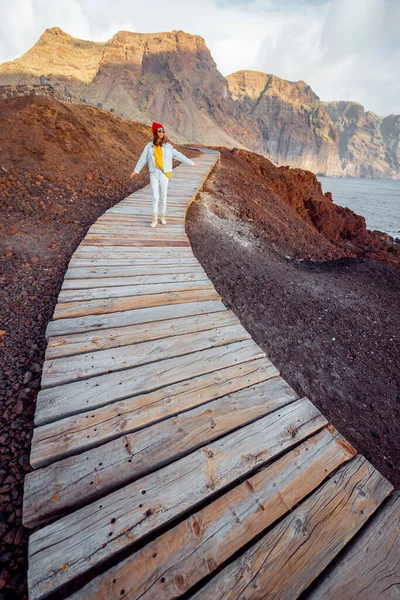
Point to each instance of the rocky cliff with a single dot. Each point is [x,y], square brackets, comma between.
[290,125]
[171,77]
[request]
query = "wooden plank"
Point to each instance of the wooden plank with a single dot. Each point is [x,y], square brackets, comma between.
[134,239]
[80,479]
[369,568]
[173,232]
[130,317]
[127,252]
[144,212]
[82,284]
[286,561]
[139,218]
[134,261]
[80,343]
[131,241]
[173,563]
[86,430]
[121,232]
[88,394]
[144,226]
[132,290]
[140,230]
[66,310]
[129,209]
[111,248]
[59,371]
[129,270]
[63,550]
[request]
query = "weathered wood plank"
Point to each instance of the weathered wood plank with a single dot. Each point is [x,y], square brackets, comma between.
[141,211]
[66,310]
[369,567]
[109,229]
[130,209]
[134,261]
[132,290]
[171,231]
[80,479]
[126,232]
[131,317]
[104,269]
[67,548]
[59,371]
[81,432]
[129,254]
[91,341]
[85,284]
[132,240]
[79,396]
[161,255]
[110,251]
[161,237]
[141,220]
[285,561]
[173,563]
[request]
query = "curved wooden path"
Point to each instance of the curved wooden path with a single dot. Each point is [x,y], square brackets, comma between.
[170,458]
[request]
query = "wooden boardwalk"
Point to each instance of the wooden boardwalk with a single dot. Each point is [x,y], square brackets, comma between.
[170,458]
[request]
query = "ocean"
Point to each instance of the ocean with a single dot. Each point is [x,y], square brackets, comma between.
[378,200]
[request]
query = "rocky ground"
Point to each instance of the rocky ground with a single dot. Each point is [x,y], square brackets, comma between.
[318,292]
[61,167]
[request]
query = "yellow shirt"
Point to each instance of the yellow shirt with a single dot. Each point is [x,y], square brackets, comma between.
[158,159]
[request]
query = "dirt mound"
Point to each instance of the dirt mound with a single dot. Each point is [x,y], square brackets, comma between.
[61,166]
[288,209]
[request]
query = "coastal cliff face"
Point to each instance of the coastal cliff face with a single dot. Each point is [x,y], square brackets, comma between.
[171,77]
[290,125]
[332,138]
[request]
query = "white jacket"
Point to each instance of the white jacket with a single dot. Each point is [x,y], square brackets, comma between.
[168,154]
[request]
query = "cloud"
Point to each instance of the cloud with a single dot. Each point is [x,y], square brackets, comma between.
[344,49]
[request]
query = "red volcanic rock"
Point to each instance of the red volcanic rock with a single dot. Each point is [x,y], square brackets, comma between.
[290,207]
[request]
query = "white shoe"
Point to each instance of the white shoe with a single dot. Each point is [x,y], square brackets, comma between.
[154,222]
[163,221]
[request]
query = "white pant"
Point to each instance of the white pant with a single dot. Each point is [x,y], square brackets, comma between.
[159,188]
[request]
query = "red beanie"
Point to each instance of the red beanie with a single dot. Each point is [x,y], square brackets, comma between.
[155,126]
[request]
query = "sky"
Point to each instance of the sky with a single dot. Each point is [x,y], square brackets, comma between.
[344,49]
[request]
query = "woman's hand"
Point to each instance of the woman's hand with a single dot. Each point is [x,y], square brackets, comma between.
[132,175]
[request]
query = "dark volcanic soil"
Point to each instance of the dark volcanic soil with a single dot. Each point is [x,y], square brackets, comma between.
[329,323]
[61,166]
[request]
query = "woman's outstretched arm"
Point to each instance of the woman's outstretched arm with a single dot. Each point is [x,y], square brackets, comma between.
[182,158]
[140,163]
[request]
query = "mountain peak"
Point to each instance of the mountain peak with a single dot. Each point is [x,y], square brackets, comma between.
[54,31]
[178,36]
[252,84]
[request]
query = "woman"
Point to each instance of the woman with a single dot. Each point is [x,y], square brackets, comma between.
[159,155]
